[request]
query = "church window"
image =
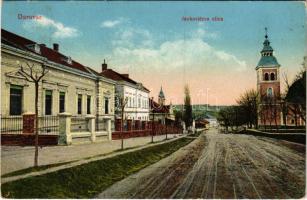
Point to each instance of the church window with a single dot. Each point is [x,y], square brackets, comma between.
[266,76]
[270,92]
[272,76]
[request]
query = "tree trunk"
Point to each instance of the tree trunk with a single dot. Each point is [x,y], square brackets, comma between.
[122,129]
[36,125]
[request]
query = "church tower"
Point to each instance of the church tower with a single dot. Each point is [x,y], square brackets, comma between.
[161,97]
[268,82]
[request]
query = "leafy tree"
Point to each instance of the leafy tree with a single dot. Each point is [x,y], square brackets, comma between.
[187,116]
[178,117]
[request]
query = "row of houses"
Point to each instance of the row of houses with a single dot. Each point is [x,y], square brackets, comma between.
[69,86]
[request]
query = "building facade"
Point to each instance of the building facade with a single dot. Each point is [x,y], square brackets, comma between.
[136,95]
[272,107]
[268,86]
[68,86]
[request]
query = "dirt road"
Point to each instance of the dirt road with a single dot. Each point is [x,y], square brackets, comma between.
[221,166]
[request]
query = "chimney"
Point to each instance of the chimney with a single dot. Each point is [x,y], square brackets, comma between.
[55,47]
[104,65]
[43,45]
[126,75]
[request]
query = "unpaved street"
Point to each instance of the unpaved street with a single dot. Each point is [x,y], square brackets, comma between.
[221,166]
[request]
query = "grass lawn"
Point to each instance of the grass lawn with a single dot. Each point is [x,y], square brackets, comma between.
[33,169]
[88,180]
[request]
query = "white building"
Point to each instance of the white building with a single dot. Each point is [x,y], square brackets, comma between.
[137,107]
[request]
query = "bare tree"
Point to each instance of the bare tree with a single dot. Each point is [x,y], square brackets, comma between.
[249,101]
[34,73]
[122,104]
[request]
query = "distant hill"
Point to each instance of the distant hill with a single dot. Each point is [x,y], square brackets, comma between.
[201,111]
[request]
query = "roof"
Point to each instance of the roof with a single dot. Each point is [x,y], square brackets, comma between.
[158,108]
[161,94]
[266,46]
[111,74]
[22,43]
[267,59]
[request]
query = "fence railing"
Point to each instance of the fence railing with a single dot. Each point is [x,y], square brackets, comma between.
[79,124]
[11,125]
[48,125]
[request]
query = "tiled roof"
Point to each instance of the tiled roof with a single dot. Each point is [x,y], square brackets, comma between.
[157,108]
[111,74]
[22,43]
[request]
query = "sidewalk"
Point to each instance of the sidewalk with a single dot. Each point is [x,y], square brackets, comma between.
[15,158]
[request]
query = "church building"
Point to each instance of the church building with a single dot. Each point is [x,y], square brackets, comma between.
[268,86]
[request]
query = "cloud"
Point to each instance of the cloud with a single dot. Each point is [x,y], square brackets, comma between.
[132,38]
[111,23]
[134,49]
[59,29]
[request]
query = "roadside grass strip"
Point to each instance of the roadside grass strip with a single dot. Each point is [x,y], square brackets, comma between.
[33,169]
[90,179]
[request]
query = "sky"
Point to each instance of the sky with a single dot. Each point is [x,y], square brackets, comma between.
[152,42]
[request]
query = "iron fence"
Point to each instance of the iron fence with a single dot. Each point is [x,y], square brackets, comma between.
[11,125]
[79,124]
[48,125]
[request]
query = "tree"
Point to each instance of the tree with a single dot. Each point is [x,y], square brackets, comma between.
[178,117]
[224,117]
[187,116]
[123,102]
[249,102]
[296,97]
[34,73]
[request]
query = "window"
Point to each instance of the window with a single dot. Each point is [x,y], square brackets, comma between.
[266,76]
[62,102]
[79,104]
[88,105]
[15,100]
[272,76]
[48,102]
[270,92]
[106,106]
[139,105]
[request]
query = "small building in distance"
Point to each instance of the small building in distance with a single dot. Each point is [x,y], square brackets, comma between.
[160,112]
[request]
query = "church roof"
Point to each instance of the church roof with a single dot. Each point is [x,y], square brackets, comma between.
[267,58]
[266,46]
[267,61]
[161,94]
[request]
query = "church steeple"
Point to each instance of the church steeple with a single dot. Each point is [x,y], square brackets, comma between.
[161,96]
[267,58]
